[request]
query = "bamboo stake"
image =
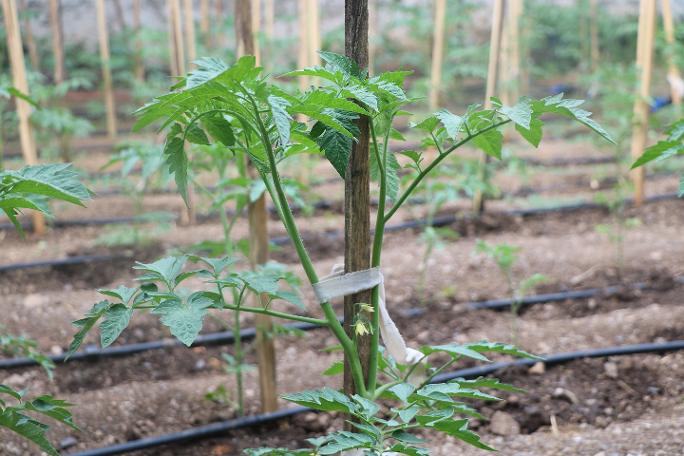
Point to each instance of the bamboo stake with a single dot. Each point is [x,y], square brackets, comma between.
[106,69]
[256,28]
[178,51]
[673,73]
[313,20]
[57,40]
[18,68]
[493,70]
[30,42]
[173,63]
[594,35]
[270,19]
[437,53]
[357,191]
[303,44]
[139,67]
[641,107]
[204,22]
[512,51]
[189,23]
[258,241]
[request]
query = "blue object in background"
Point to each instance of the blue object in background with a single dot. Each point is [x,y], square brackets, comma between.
[660,102]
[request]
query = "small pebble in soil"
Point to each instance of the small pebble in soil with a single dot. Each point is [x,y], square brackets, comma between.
[503,423]
[67,443]
[611,369]
[538,369]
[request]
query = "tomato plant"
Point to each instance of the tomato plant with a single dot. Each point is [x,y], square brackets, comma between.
[241,109]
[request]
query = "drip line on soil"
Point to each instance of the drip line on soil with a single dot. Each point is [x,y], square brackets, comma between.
[219,428]
[92,353]
[325,205]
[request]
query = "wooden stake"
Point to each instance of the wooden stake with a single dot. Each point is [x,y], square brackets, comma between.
[641,108]
[256,28]
[139,67]
[437,53]
[106,69]
[18,68]
[314,42]
[204,22]
[303,44]
[57,40]
[672,70]
[30,42]
[189,23]
[258,242]
[176,30]
[493,70]
[511,92]
[270,19]
[357,190]
[594,35]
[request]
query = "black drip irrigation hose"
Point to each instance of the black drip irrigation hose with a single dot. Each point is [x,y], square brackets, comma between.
[561,358]
[326,205]
[69,261]
[220,428]
[335,235]
[92,353]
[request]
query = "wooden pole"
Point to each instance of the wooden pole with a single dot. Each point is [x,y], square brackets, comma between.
[139,66]
[437,53]
[303,43]
[258,241]
[57,40]
[178,51]
[673,73]
[189,22]
[256,28]
[594,35]
[30,42]
[357,190]
[106,69]
[641,108]
[313,19]
[493,70]
[204,22]
[18,68]
[270,19]
[512,50]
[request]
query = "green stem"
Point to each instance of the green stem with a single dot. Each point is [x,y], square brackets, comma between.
[293,232]
[376,257]
[237,344]
[433,164]
[276,314]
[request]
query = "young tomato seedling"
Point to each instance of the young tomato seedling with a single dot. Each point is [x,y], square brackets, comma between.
[396,395]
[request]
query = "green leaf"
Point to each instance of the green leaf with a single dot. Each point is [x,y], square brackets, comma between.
[116,319]
[490,142]
[569,108]
[195,135]
[184,319]
[325,399]
[56,181]
[86,323]
[219,129]
[344,440]
[459,429]
[167,270]
[520,113]
[341,63]
[487,382]
[455,350]
[28,428]
[409,450]
[659,151]
[497,347]
[122,293]
[452,123]
[534,134]
[177,162]
[281,117]
[336,368]
[405,437]
[680,192]
[402,391]
[408,413]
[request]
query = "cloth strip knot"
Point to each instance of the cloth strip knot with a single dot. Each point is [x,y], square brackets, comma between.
[335,285]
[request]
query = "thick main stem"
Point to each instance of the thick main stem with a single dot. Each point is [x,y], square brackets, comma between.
[357,195]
